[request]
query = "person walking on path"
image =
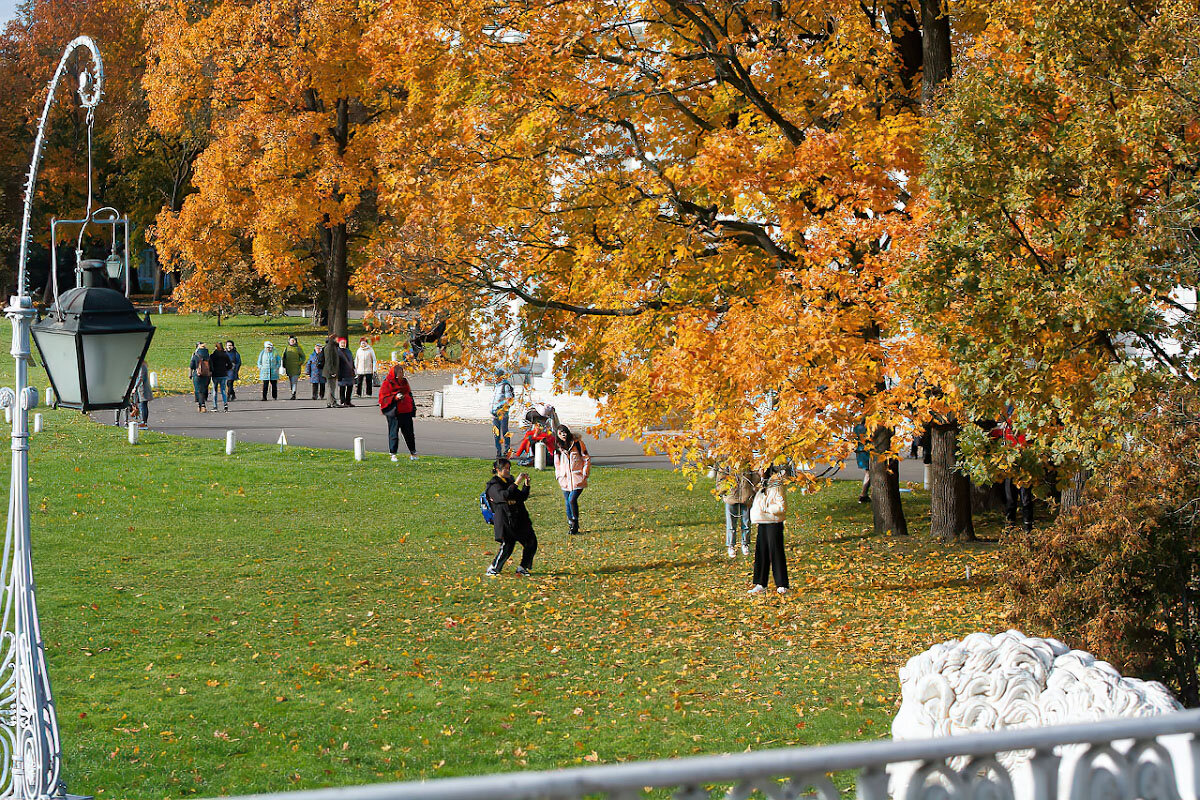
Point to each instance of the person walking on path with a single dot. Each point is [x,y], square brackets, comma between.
[398,406]
[345,373]
[235,358]
[537,434]
[502,400]
[572,465]
[740,488]
[221,366]
[293,363]
[268,370]
[316,372]
[768,512]
[330,370]
[862,459]
[142,395]
[201,373]
[511,521]
[364,367]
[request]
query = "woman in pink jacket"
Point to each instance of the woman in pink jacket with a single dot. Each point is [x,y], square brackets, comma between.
[572,464]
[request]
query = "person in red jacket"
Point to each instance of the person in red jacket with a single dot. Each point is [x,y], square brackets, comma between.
[1014,496]
[397,404]
[537,433]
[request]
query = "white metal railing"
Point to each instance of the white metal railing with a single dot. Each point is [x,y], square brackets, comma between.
[1122,759]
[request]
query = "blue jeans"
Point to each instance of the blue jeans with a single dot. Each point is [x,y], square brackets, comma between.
[737,515]
[501,434]
[143,411]
[571,499]
[200,384]
[220,389]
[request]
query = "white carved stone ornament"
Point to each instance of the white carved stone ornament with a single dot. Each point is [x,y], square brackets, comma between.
[991,683]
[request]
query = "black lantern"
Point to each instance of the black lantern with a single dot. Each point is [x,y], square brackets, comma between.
[92,344]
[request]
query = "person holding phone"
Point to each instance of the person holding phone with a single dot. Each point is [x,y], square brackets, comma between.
[511,522]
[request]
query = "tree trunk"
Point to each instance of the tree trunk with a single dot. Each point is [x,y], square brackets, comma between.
[1072,496]
[935,48]
[338,282]
[949,490]
[158,279]
[886,508]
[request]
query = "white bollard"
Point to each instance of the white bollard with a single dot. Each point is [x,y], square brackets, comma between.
[230,442]
[439,405]
[160,308]
[395,355]
[37,423]
[50,396]
[153,380]
[712,474]
[133,432]
[926,476]
[360,448]
[539,456]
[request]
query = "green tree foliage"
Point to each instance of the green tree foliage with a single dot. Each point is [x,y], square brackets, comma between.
[1060,228]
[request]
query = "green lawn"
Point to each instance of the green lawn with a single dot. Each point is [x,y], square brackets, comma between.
[270,621]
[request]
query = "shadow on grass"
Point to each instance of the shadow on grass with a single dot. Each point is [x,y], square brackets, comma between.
[954,583]
[627,569]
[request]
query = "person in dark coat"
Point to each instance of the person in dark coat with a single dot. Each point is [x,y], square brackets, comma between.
[345,376]
[221,365]
[330,370]
[511,523]
[235,358]
[398,406]
[201,373]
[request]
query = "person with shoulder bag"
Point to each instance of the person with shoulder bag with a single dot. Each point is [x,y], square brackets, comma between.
[511,522]
[398,406]
[768,512]
[201,372]
[572,465]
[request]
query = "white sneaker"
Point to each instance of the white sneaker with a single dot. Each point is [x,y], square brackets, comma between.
[758,589]
[732,552]
[413,457]
[395,458]
[745,549]
[782,590]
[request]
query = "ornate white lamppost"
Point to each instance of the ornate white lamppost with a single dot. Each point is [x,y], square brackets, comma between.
[92,347]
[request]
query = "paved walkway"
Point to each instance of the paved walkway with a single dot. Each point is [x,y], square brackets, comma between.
[308,423]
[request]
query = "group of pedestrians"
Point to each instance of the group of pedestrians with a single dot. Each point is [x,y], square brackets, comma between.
[330,364]
[758,498]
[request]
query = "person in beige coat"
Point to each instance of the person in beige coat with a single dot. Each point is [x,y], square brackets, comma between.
[739,492]
[768,512]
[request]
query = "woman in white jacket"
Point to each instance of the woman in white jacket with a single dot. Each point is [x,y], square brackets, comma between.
[364,367]
[768,512]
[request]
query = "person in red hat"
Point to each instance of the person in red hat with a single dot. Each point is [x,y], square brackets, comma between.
[397,404]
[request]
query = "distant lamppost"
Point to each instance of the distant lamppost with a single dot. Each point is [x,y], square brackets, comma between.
[87,337]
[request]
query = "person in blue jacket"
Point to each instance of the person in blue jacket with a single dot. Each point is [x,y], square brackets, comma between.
[316,372]
[269,363]
[236,359]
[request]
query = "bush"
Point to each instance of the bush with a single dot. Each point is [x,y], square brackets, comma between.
[1118,575]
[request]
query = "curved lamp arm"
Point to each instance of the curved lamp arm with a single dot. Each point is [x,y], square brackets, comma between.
[91,87]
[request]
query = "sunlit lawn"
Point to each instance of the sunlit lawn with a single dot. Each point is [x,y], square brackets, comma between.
[265,621]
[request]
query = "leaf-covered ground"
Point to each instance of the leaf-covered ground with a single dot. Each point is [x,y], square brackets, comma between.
[271,620]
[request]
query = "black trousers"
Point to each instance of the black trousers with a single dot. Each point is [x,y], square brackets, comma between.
[769,555]
[318,390]
[359,380]
[229,388]
[345,392]
[1018,496]
[274,389]
[401,423]
[528,549]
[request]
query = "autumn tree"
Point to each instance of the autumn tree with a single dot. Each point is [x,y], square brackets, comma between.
[697,198]
[1060,266]
[288,173]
